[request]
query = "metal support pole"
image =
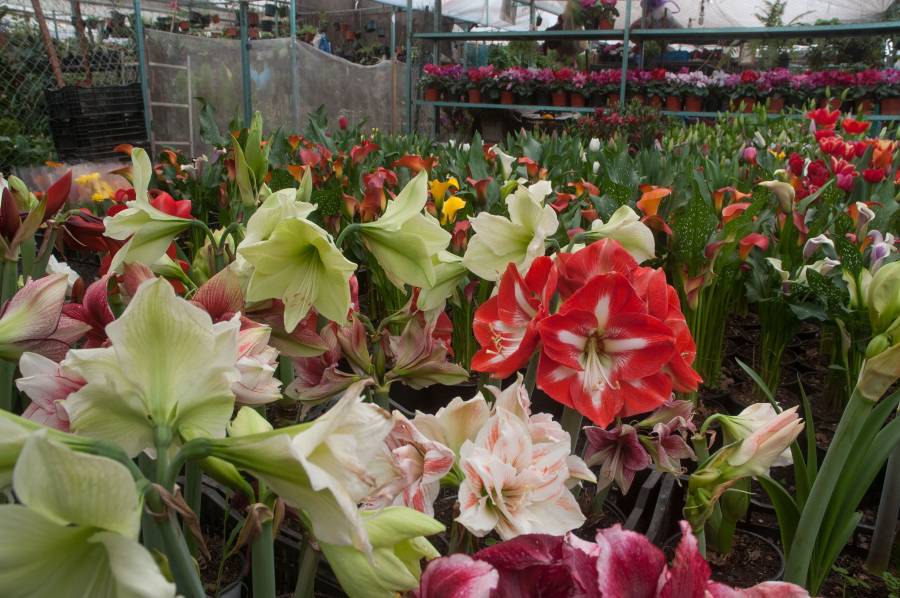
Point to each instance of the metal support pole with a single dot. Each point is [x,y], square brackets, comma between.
[395,112]
[409,67]
[394,34]
[532,16]
[245,65]
[142,68]
[295,76]
[624,74]
[436,59]
[55,26]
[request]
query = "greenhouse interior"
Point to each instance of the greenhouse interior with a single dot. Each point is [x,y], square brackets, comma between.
[449,298]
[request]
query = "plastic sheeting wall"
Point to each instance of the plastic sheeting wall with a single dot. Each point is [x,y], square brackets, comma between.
[182,66]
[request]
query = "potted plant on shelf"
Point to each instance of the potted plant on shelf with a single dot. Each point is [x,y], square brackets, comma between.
[579,89]
[675,86]
[476,78]
[777,84]
[888,92]
[514,83]
[432,81]
[696,87]
[656,88]
[543,81]
[597,14]
[307,33]
[560,86]
[744,94]
[866,83]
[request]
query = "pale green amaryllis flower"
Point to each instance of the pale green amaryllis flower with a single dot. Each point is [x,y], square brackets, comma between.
[397,535]
[299,264]
[149,231]
[518,239]
[322,467]
[626,227]
[404,240]
[881,368]
[76,532]
[168,366]
[448,273]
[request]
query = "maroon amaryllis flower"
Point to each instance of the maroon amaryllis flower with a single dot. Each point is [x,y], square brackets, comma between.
[621,563]
[619,453]
[602,353]
[506,324]
[94,311]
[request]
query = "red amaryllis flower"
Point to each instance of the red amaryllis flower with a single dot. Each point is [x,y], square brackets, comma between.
[415,164]
[601,257]
[506,324]
[174,207]
[602,354]
[873,175]
[57,194]
[94,311]
[855,127]
[824,118]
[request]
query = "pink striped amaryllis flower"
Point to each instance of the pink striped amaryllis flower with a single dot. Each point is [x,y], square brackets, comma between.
[506,324]
[413,466]
[603,354]
[617,564]
[48,385]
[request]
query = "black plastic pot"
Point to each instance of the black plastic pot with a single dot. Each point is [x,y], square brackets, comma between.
[673,540]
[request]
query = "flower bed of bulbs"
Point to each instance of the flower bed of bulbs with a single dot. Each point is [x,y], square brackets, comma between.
[347,363]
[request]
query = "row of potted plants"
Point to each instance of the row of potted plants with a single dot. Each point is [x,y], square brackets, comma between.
[687,90]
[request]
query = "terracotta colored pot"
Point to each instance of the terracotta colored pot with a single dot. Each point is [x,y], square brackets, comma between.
[605,24]
[744,104]
[612,100]
[890,106]
[432,94]
[655,102]
[474,95]
[673,103]
[775,104]
[507,97]
[866,105]
[577,100]
[639,98]
[693,104]
[559,98]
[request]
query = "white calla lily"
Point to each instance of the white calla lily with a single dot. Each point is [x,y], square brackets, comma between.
[506,161]
[625,226]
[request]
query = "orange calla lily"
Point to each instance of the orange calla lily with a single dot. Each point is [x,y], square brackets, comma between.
[651,196]
[416,164]
[124,148]
[746,245]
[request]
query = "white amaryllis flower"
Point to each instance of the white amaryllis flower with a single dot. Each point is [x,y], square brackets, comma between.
[54,266]
[765,438]
[323,467]
[149,231]
[518,239]
[76,532]
[168,365]
[514,485]
[625,226]
[456,423]
[257,363]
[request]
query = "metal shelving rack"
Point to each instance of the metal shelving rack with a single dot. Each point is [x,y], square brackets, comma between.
[711,35]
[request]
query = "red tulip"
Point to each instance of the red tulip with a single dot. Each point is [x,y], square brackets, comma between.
[874,175]
[342,122]
[855,127]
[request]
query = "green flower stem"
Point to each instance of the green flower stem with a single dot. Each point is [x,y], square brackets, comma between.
[306,577]
[800,555]
[181,563]
[571,423]
[263,562]
[9,275]
[344,232]
[381,396]
[192,495]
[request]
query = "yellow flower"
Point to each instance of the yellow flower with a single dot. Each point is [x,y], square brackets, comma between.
[450,208]
[98,197]
[87,179]
[778,155]
[439,189]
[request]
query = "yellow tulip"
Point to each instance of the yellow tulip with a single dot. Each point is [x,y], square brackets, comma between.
[448,212]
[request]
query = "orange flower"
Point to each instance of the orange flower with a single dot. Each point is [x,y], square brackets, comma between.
[746,245]
[415,163]
[651,196]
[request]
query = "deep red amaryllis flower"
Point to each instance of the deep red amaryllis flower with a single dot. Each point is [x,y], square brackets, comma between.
[94,311]
[174,207]
[506,324]
[855,127]
[824,118]
[874,176]
[602,353]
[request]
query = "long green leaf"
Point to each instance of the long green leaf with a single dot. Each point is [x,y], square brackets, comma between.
[812,456]
[785,509]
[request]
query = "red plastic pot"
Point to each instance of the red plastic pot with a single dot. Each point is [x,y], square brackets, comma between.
[656,102]
[577,100]
[744,104]
[866,105]
[474,96]
[890,106]
[673,103]
[432,94]
[605,24]
[559,98]
[693,104]
[507,97]
[776,104]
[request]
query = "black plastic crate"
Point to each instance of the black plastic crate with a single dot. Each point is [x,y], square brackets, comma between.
[95,136]
[72,101]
